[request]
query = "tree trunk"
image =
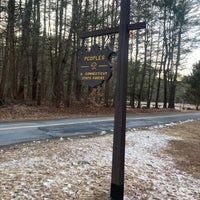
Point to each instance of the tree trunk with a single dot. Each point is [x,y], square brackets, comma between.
[42,85]
[176,69]
[155,72]
[136,69]
[25,49]
[58,87]
[143,72]
[159,78]
[35,47]
[8,81]
[165,60]
[152,73]
[4,74]
[12,82]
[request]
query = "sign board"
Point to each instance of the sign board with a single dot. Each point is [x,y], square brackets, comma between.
[95,66]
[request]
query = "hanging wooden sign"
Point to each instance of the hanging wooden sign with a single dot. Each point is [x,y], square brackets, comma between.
[95,66]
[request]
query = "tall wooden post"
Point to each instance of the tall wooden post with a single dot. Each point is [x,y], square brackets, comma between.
[117,182]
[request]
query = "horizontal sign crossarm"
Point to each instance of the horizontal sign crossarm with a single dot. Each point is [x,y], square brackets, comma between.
[108,31]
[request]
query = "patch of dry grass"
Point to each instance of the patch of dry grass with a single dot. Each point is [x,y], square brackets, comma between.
[186,152]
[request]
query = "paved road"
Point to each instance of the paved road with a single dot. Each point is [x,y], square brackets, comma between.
[17,132]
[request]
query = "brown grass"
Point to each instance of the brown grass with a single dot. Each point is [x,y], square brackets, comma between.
[186,152]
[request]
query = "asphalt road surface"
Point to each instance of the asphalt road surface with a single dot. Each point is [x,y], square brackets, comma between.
[17,132]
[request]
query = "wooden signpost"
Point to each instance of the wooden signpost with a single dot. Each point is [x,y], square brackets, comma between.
[117,182]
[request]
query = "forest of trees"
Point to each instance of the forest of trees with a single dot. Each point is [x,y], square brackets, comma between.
[40,44]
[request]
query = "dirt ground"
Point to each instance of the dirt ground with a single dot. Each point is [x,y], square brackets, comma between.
[32,112]
[186,152]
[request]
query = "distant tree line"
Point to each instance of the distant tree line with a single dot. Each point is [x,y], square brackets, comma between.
[40,44]
[192,91]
